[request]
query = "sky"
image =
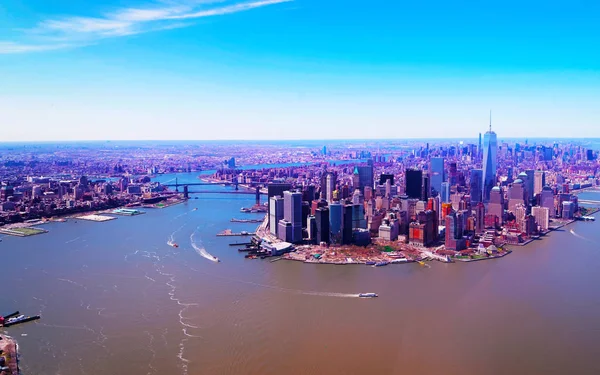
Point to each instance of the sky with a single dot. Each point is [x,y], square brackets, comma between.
[297,69]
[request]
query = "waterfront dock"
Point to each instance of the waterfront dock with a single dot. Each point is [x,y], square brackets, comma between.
[246,220]
[230,233]
[96,218]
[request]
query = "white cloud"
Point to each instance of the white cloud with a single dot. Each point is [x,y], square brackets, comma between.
[12,48]
[65,32]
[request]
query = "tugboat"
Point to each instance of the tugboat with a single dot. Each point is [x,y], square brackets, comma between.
[368,295]
[175,245]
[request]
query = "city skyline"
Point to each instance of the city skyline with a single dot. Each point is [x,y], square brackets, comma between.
[277,69]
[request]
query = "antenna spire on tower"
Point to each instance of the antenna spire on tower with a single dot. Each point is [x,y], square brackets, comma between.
[490,120]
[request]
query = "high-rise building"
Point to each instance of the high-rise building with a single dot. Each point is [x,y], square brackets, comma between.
[479,217]
[445,193]
[322,220]
[475,187]
[539,181]
[454,235]
[292,213]
[347,224]
[547,200]
[530,173]
[336,214]
[542,217]
[490,161]
[414,181]
[496,204]
[365,175]
[437,174]
[516,195]
[330,184]
[425,188]
[276,189]
[275,213]
[311,228]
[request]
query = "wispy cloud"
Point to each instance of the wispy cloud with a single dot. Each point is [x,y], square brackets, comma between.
[74,31]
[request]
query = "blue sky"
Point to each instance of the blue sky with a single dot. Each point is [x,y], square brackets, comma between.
[298,69]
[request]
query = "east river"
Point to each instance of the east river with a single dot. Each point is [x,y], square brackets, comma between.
[116,299]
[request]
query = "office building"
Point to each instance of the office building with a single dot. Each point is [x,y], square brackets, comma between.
[542,217]
[425,188]
[414,181]
[437,174]
[490,161]
[516,195]
[539,181]
[496,204]
[276,189]
[330,185]
[445,193]
[292,213]
[275,214]
[347,225]
[529,185]
[322,222]
[476,189]
[365,175]
[336,214]
[454,232]
[479,218]
[547,200]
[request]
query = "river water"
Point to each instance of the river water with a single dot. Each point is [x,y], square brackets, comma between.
[115,298]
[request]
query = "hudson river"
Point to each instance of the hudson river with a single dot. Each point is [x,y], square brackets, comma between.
[116,299]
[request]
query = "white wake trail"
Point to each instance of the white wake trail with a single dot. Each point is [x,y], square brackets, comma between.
[201,250]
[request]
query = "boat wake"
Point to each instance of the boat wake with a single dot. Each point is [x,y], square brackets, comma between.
[201,250]
[285,290]
[580,236]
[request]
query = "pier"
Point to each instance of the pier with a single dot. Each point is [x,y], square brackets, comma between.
[246,220]
[229,233]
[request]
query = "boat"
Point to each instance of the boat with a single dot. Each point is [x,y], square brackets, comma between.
[381,264]
[175,245]
[20,319]
[368,295]
[421,262]
[245,210]
[195,209]
[217,260]
[370,263]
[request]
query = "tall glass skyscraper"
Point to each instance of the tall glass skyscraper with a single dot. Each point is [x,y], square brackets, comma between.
[475,187]
[436,171]
[490,162]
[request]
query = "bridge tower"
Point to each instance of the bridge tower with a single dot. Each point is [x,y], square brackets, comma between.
[258,195]
[185,192]
[176,185]
[235,183]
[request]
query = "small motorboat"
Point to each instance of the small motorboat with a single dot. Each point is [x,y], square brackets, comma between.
[175,245]
[368,295]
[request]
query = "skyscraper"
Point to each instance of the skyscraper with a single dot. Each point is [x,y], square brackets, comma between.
[335,223]
[292,212]
[490,161]
[330,182]
[275,213]
[475,188]
[496,205]
[322,219]
[414,180]
[365,175]
[437,173]
[445,193]
[539,181]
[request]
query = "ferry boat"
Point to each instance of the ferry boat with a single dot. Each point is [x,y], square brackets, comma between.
[195,209]
[368,295]
[370,263]
[381,264]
